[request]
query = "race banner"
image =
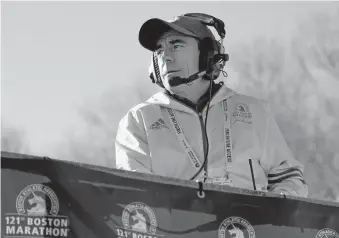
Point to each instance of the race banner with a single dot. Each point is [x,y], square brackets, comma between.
[43,197]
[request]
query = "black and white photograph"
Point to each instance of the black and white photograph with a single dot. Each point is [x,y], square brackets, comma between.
[151,119]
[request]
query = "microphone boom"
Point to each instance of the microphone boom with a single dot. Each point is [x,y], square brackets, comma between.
[176,81]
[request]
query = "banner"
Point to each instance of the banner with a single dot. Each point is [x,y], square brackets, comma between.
[42,197]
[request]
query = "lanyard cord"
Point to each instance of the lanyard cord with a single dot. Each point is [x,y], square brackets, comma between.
[228,143]
[190,153]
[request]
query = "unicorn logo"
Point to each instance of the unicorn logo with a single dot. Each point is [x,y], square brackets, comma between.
[327,233]
[236,227]
[140,220]
[40,206]
[235,232]
[241,108]
[32,200]
[242,114]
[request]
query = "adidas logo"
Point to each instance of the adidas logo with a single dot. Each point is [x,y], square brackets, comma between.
[160,123]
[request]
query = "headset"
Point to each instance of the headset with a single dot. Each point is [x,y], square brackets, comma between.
[212,57]
[212,60]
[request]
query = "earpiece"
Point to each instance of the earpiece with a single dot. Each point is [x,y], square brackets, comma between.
[208,48]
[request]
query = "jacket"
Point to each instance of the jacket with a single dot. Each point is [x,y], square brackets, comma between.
[163,136]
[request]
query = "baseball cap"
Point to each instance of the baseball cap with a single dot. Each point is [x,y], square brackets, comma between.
[154,28]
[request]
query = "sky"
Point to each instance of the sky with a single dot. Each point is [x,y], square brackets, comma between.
[55,56]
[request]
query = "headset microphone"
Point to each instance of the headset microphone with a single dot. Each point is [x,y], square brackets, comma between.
[175,81]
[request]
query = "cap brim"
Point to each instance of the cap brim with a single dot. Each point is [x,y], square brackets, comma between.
[154,28]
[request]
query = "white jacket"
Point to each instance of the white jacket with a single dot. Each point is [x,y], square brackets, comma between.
[147,142]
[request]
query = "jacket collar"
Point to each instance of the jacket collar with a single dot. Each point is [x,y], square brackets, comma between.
[219,93]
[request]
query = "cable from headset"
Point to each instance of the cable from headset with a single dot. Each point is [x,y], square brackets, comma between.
[207,142]
[205,124]
[207,110]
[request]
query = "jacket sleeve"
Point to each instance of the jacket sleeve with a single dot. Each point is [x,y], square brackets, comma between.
[285,173]
[131,146]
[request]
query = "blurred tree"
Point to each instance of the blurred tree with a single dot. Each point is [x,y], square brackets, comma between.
[13,139]
[92,139]
[300,80]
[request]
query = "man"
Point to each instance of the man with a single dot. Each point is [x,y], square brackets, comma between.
[202,130]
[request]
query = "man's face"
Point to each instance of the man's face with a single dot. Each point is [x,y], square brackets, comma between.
[178,56]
